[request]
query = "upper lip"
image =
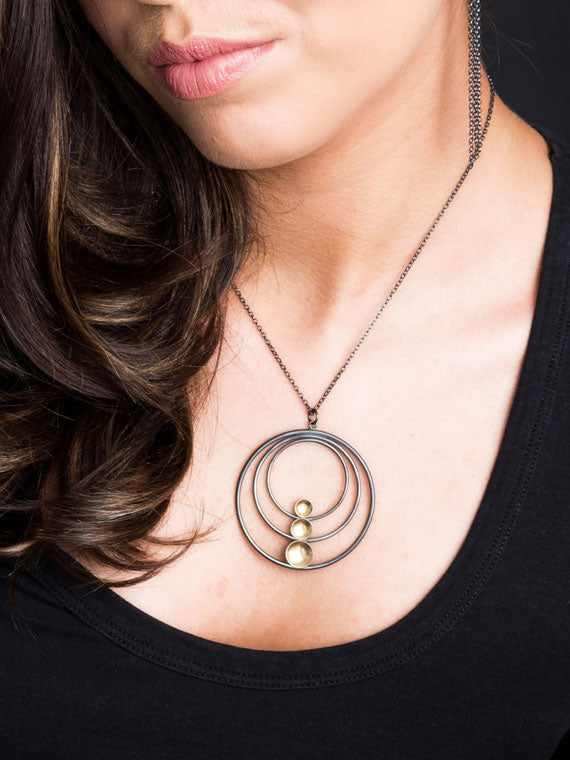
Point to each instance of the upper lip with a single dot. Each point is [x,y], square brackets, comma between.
[166,53]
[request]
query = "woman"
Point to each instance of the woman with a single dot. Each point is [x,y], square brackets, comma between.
[188,188]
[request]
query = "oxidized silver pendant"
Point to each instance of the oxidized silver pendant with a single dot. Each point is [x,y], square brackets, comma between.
[298,552]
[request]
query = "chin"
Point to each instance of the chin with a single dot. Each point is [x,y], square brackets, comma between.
[235,141]
[246,155]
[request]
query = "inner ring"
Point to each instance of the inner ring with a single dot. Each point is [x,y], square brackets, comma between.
[281,447]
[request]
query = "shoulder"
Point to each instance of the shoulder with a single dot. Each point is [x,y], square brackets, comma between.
[557,147]
[559,143]
[545,170]
[27,608]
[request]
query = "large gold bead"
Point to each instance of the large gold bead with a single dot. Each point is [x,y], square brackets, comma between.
[298,554]
[301,528]
[303,508]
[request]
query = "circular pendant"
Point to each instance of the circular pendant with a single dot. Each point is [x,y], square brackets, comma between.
[298,553]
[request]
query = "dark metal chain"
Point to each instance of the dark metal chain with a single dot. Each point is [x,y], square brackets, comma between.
[474,36]
[476,138]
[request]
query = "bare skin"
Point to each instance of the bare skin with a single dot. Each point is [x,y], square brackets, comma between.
[427,396]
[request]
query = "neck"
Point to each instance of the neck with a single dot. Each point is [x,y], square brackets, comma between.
[346,218]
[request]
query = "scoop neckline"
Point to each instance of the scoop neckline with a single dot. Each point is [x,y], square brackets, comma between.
[452,595]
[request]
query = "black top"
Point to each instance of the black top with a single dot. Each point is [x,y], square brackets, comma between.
[480,668]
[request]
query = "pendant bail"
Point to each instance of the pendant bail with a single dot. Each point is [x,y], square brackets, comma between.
[313,418]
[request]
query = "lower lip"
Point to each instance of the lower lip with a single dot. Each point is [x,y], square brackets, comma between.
[201,79]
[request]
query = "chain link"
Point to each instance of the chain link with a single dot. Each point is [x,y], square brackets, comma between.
[476,138]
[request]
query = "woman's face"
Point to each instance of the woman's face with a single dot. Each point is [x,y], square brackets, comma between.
[329,62]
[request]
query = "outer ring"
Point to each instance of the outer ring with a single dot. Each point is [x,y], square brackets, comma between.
[307,434]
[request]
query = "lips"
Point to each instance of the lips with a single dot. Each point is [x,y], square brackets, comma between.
[205,66]
[197,49]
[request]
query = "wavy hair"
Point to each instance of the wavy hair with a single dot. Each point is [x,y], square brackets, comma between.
[117,240]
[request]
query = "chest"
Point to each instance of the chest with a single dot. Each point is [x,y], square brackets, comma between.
[425,410]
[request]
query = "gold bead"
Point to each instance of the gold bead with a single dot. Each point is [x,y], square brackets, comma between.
[303,508]
[298,554]
[301,528]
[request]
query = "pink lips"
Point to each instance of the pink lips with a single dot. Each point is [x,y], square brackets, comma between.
[205,66]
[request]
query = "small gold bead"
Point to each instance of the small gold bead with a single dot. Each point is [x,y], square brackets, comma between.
[301,528]
[303,508]
[298,554]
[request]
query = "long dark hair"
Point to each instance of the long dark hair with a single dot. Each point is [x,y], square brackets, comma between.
[118,239]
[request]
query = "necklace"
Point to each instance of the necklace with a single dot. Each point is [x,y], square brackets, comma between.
[298,553]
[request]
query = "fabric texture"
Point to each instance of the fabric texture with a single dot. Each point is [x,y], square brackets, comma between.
[480,668]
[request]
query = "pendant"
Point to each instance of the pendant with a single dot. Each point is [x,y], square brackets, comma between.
[298,553]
